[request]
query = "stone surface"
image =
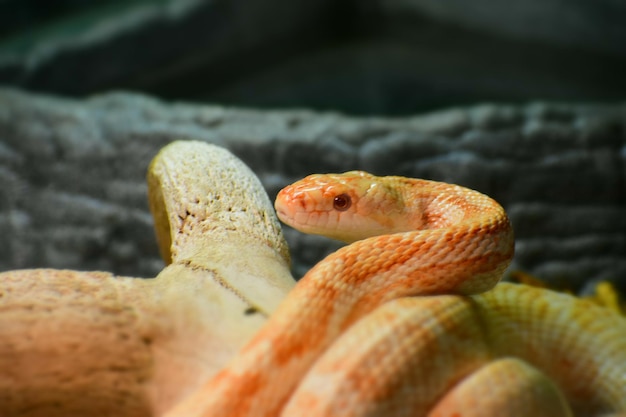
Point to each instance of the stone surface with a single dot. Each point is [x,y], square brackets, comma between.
[73,191]
[91,343]
[370,57]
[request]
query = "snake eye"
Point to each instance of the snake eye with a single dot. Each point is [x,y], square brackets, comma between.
[342,202]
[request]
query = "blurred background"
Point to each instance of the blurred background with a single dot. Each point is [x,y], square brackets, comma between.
[523,100]
[366,57]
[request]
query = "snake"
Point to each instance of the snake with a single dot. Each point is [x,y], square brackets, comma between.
[408,319]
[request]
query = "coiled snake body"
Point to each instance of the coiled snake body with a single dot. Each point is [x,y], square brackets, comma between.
[414,237]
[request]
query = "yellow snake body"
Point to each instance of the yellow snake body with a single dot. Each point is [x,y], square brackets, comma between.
[409,357]
[350,340]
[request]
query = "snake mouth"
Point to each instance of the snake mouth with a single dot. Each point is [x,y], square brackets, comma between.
[283,214]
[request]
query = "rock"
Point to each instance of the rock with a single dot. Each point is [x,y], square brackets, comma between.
[557,168]
[92,343]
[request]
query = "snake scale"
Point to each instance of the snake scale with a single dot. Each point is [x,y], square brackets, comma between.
[352,338]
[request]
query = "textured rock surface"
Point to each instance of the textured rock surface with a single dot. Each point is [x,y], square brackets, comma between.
[92,343]
[73,193]
[369,57]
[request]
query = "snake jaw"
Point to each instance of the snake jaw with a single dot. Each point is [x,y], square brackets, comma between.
[304,218]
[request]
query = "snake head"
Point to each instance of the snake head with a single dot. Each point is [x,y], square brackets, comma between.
[351,206]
